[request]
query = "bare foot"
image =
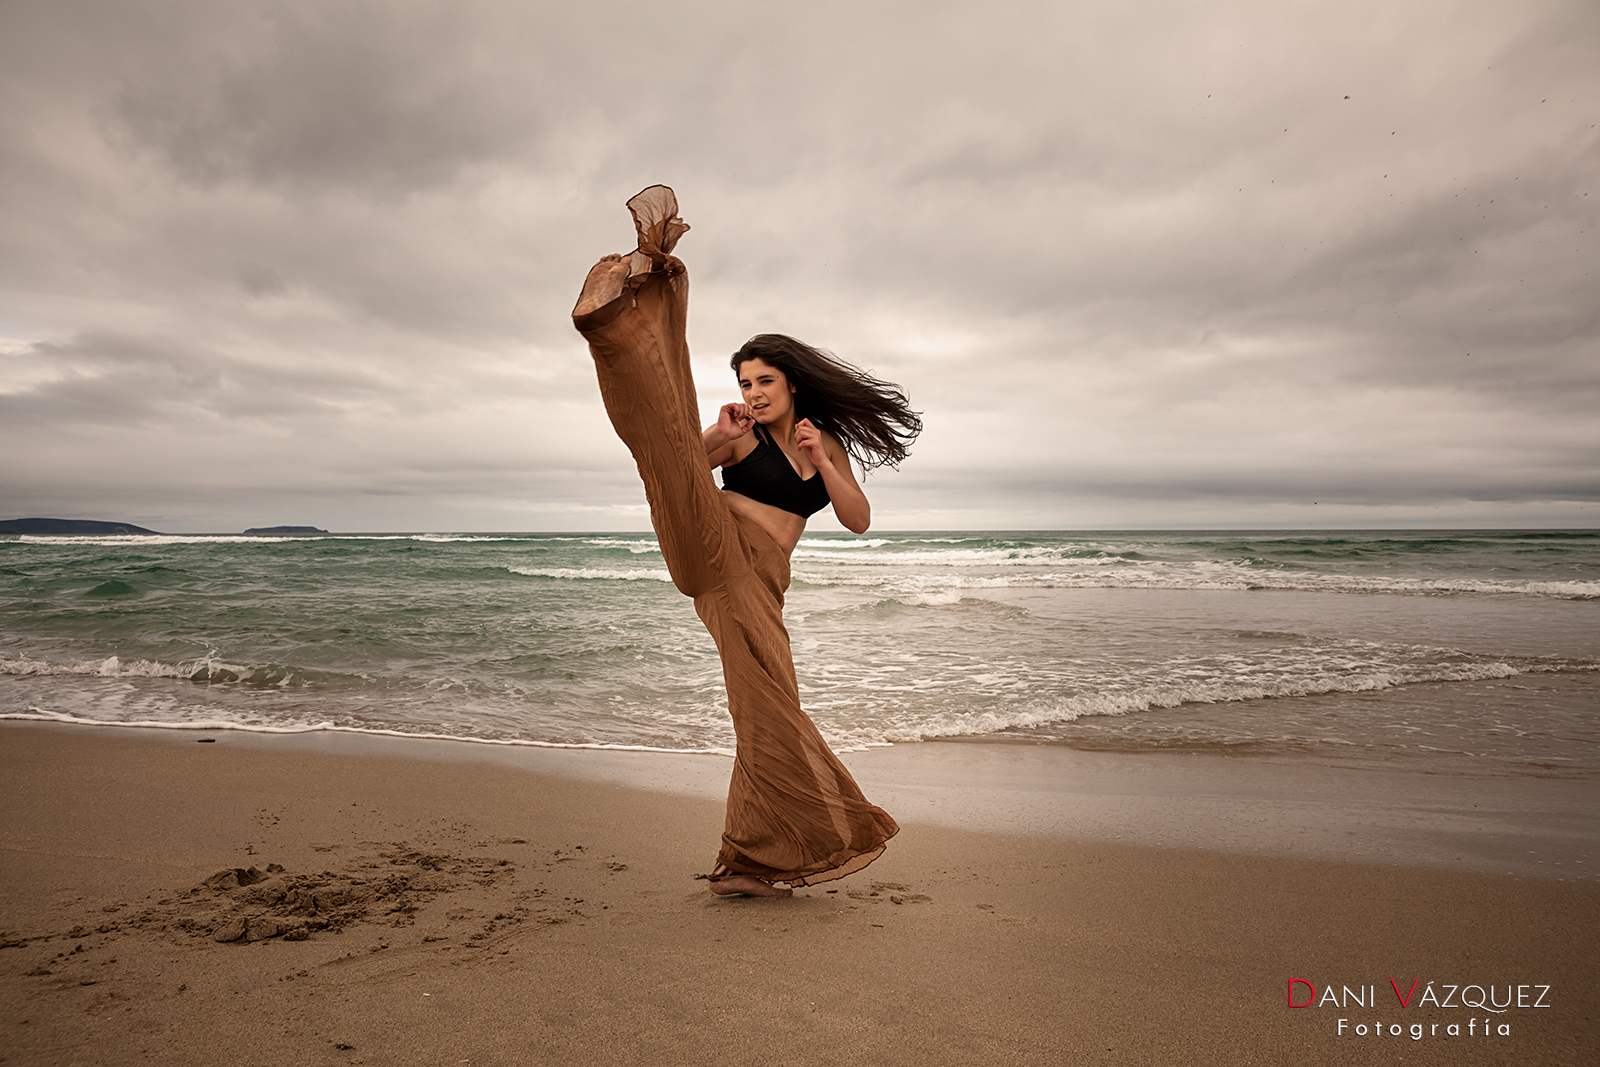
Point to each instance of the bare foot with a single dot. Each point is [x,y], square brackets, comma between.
[602,286]
[735,884]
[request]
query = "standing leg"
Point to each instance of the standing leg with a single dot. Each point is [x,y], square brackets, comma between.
[795,814]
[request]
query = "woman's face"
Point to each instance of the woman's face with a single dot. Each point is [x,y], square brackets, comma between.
[766,390]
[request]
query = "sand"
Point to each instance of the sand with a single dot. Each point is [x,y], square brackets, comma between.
[168,901]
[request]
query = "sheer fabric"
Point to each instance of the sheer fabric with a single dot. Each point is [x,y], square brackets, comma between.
[795,814]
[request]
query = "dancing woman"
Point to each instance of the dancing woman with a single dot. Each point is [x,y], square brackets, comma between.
[794,813]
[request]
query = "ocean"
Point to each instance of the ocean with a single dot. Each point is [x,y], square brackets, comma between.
[1462,652]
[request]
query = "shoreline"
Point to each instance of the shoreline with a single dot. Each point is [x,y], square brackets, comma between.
[1287,806]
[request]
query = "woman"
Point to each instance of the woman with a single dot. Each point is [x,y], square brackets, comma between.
[794,813]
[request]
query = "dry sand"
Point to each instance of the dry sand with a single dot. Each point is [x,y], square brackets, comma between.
[431,911]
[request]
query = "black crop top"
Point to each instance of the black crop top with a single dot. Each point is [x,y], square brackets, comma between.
[767,476]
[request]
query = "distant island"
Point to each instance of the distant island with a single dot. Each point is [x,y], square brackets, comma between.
[59,527]
[284,530]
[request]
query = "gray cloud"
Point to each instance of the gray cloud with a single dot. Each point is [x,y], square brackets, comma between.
[1140,264]
[324,96]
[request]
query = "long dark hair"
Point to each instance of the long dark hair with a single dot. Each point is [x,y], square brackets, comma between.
[872,419]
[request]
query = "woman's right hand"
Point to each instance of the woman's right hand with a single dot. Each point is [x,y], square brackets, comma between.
[734,421]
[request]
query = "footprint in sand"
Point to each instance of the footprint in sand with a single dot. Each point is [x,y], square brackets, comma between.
[895,892]
[388,888]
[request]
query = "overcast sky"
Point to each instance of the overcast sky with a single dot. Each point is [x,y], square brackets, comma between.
[1139,264]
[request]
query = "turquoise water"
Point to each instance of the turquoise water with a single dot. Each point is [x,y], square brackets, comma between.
[1247,642]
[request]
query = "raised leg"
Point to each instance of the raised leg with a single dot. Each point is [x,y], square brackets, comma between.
[636,329]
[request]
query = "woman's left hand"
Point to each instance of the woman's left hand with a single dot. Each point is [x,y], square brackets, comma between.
[850,505]
[808,439]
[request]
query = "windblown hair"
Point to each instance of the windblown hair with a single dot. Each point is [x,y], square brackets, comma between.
[872,419]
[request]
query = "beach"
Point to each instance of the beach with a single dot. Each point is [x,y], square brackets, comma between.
[459,903]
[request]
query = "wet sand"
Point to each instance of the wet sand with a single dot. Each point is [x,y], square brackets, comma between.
[168,901]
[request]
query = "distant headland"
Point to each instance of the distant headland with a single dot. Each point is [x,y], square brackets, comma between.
[93,527]
[68,527]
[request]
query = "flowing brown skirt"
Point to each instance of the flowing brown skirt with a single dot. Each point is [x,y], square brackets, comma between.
[794,813]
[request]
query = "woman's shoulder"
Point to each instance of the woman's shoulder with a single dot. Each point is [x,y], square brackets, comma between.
[743,446]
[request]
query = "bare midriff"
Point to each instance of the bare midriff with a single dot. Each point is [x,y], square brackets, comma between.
[784,526]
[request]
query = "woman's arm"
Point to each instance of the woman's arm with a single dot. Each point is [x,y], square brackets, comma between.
[850,505]
[733,422]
